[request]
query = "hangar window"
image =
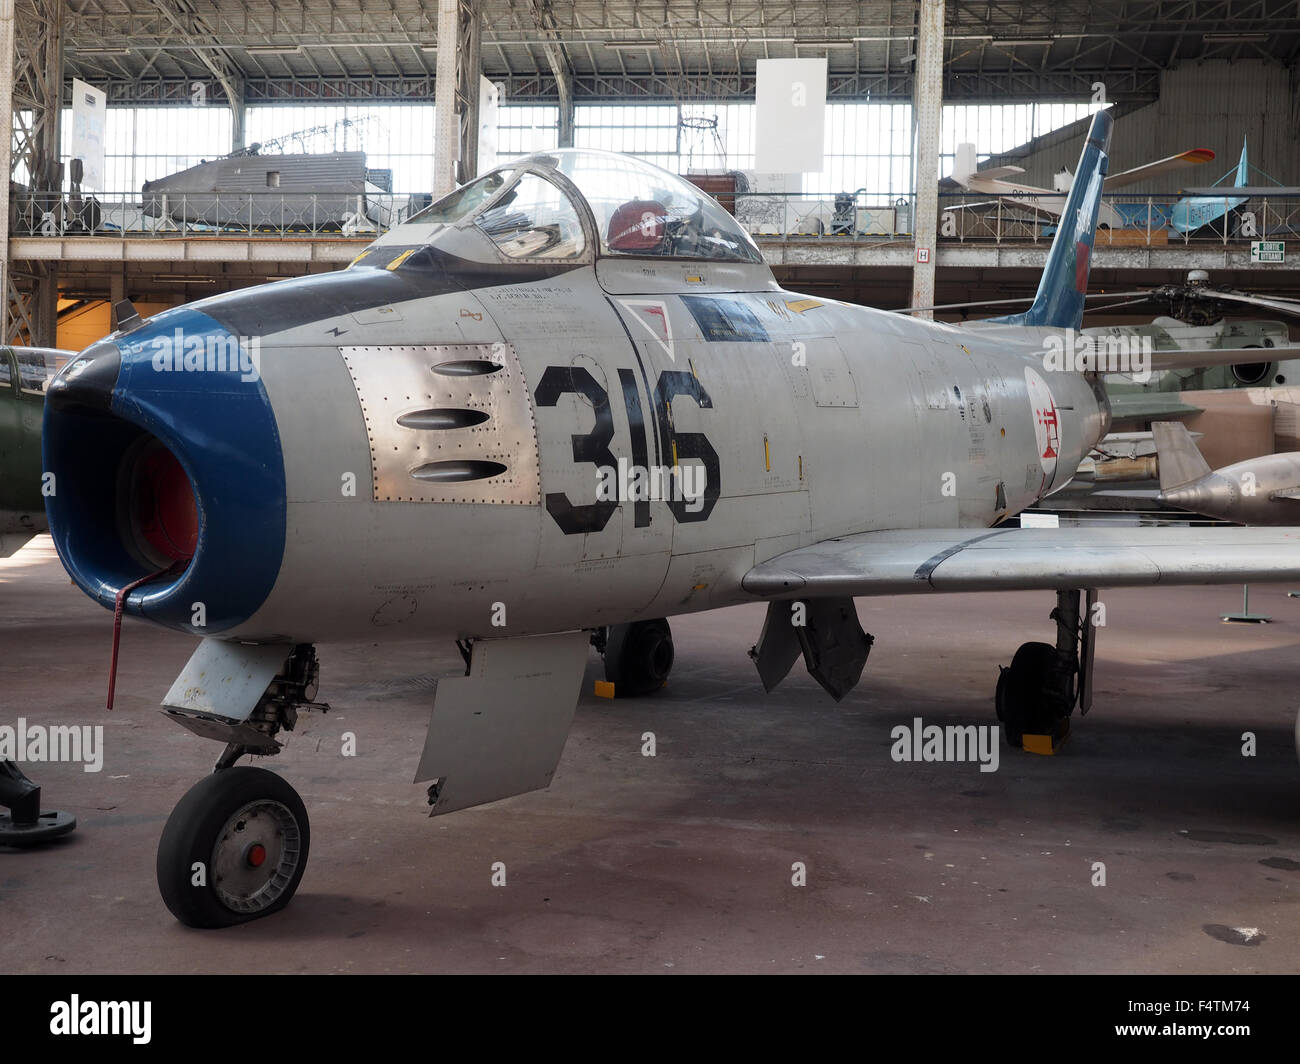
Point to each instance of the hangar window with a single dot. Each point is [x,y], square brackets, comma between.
[534,219]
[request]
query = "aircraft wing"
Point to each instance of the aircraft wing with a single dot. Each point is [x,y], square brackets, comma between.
[1161,166]
[903,561]
[997,173]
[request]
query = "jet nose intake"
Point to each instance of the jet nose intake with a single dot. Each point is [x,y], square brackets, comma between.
[162,456]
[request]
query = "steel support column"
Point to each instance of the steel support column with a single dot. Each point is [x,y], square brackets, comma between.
[36,93]
[927,110]
[456,93]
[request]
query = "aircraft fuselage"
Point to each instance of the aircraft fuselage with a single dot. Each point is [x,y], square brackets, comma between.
[805,419]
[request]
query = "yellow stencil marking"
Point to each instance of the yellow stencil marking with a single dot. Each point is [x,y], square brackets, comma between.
[400,259]
[800,305]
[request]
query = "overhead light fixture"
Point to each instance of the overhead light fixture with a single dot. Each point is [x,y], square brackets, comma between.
[273,49]
[631,45]
[1234,38]
[1024,40]
[101,51]
[163,278]
[825,44]
[428,47]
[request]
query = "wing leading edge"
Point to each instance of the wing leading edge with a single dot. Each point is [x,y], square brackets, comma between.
[903,561]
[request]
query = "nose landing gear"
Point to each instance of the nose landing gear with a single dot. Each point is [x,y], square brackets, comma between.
[235,846]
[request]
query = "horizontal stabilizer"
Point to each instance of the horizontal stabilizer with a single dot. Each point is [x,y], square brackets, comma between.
[1146,406]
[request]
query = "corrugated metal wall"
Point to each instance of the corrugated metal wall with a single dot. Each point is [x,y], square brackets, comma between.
[1201,105]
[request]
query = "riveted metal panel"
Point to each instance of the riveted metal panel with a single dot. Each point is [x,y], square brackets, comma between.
[395,384]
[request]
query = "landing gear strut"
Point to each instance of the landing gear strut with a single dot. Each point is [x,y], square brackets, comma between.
[235,847]
[1038,691]
[638,656]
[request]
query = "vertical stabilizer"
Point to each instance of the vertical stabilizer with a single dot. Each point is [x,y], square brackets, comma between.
[1059,302]
[1181,461]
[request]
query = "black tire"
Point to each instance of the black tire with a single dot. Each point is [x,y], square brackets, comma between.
[1025,701]
[638,657]
[203,829]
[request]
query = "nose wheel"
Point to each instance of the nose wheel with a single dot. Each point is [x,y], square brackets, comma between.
[234,848]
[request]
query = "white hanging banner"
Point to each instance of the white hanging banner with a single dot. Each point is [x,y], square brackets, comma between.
[89,105]
[791,124]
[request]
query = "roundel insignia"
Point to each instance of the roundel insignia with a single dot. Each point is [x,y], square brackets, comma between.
[1047,421]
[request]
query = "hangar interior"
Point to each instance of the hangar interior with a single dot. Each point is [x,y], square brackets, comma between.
[673,83]
[167,150]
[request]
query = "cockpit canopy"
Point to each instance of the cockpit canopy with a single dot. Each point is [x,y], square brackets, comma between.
[562,205]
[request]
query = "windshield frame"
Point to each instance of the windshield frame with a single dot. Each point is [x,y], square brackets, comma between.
[521,169]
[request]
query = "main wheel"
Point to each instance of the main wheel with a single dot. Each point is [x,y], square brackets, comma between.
[1026,701]
[234,848]
[638,657]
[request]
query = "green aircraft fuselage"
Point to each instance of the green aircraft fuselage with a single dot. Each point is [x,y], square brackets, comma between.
[24,373]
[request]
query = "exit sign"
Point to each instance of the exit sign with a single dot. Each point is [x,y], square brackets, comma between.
[1267,251]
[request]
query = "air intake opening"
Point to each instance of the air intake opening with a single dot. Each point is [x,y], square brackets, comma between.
[1250,374]
[160,517]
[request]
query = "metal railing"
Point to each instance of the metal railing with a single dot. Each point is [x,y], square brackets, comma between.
[272,213]
[1134,220]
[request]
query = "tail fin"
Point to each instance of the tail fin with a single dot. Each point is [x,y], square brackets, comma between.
[1243,168]
[964,163]
[1181,461]
[1059,302]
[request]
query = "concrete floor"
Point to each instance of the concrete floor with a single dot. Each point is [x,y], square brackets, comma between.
[682,862]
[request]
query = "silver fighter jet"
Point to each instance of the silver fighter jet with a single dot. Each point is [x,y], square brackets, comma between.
[557,407]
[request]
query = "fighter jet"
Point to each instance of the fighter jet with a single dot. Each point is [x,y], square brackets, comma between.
[559,406]
[1258,491]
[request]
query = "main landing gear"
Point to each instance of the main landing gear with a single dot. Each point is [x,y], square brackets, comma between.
[638,656]
[1038,691]
[235,847]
